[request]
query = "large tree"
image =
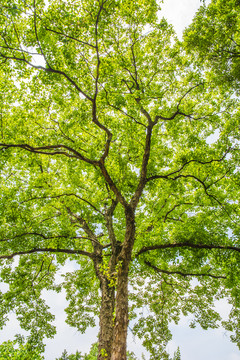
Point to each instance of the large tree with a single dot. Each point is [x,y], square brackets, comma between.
[120,154]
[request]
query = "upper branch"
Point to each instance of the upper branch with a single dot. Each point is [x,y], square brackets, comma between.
[177,112]
[187,163]
[143,174]
[62,195]
[112,185]
[49,70]
[36,33]
[70,37]
[94,101]
[50,150]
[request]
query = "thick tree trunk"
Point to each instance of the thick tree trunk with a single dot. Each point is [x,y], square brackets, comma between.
[119,349]
[106,321]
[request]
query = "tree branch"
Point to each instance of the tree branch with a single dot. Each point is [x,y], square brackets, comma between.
[48,250]
[70,37]
[50,150]
[184,274]
[187,163]
[61,195]
[44,236]
[177,112]
[143,174]
[187,245]
[112,185]
[49,70]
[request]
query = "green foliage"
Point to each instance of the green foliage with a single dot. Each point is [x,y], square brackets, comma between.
[17,350]
[214,35]
[103,111]
[76,356]
[177,354]
[92,355]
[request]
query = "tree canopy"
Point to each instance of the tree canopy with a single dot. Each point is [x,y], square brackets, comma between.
[120,152]
[214,36]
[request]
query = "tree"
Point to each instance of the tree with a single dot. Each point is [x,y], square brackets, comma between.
[108,160]
[177,354]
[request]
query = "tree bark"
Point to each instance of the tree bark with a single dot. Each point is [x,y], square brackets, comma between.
[119,349]
[106,324]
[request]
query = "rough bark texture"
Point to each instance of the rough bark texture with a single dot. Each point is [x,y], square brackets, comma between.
[121,319]
[106,321]
[119,350]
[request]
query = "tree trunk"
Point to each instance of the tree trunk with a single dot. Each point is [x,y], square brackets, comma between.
[105,338]
[119,349]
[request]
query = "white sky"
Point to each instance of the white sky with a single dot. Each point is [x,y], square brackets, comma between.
[179,13]
[195,344]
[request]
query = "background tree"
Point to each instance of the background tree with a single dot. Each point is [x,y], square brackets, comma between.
[177,354]
[108,159]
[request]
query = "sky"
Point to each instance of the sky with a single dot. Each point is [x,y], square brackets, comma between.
[194,344]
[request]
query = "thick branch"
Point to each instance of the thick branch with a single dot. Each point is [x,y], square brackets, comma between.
[112,185]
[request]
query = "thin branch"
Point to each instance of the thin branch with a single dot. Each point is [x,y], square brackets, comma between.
[187,163]
[84,225]
[70,37]
[122,111]
[49,70]
[109,223]
[186,244]
[48,250]
[184,274]
[112,185]
[44,236]
[94,100]
[177,112]
[36,34]
[174,207]
[50,150]
[61,195]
